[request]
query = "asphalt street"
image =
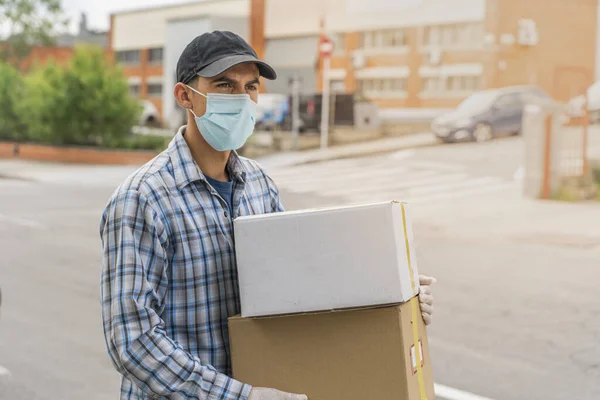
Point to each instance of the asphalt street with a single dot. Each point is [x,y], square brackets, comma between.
[517,317]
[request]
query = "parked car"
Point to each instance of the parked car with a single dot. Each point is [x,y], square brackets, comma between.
[487,114]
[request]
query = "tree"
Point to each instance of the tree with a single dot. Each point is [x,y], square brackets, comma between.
[28,23]
[11,90]
[87,102]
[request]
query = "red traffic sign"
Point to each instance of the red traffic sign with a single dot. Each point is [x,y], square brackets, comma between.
[325,46]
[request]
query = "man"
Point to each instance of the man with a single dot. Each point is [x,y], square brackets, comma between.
[169,278]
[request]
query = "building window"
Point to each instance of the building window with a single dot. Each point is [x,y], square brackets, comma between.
[382,87]
[441,85]
[432,85]
[383,39]
[339,44]
[457,35]
[128,57]
[155,55]
[134,89]
[155,89]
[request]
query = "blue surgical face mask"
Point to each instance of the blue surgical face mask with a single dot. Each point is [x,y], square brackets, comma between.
[228,121]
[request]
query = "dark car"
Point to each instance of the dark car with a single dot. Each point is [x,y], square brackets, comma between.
[487,114]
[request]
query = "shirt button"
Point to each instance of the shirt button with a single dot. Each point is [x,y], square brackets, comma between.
[226,215]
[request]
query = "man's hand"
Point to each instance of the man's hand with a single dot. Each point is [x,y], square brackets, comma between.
[426,298]
[273,394]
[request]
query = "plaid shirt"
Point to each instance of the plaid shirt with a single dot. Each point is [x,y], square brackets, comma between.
[169,276]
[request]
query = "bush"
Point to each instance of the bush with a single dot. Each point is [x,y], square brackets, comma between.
[11,91]
[86,103]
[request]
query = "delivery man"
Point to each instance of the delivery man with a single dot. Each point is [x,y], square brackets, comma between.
[169,277]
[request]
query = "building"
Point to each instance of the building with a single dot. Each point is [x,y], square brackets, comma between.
[147,44]
[431,53]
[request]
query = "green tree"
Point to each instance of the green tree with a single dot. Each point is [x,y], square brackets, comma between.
[11,92]
[42,107]
[87,102]
[27,23]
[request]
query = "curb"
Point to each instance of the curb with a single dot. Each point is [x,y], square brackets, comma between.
[315,158]
[367,153]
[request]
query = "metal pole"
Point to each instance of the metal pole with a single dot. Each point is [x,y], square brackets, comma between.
[584,150]
[325,104]
[295,111]
[547,158]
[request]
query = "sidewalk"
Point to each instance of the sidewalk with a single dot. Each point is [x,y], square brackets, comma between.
[509,216]
[349,151]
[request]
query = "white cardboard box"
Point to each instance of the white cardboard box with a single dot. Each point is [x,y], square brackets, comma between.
[318,260]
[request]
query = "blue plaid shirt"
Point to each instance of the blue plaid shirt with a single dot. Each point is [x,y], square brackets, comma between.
[169,276]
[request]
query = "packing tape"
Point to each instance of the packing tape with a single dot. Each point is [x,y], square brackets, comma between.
[416,310]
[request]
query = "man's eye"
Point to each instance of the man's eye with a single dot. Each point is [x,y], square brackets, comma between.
[252,87]
[224,85]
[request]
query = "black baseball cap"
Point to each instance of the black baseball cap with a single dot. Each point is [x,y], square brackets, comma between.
[212,53]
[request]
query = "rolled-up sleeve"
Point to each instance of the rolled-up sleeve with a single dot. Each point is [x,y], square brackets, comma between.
[134,287]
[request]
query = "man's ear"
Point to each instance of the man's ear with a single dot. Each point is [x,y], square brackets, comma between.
[182,95]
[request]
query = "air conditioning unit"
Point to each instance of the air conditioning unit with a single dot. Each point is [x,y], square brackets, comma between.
[435,57]
[358,60]
[527,33]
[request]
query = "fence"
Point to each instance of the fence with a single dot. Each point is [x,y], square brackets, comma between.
[556,149]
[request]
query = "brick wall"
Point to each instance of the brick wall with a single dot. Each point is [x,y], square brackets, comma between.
[77,155]
[563,61]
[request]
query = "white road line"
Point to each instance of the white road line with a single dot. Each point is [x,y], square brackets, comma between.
[435,165]
[455,195]
[402,154]
[452,186]
[448,393]
[4,372]
[376,182]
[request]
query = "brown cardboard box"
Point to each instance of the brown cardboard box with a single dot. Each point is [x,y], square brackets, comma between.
[358,354]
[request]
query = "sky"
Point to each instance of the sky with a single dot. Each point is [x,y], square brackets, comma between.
[98,11]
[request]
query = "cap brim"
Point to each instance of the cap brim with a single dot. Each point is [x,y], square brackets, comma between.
[222,65]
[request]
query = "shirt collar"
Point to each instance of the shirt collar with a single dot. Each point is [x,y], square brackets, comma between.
[186,170]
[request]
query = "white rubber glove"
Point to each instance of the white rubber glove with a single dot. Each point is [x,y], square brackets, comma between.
[273,394]
[426,298]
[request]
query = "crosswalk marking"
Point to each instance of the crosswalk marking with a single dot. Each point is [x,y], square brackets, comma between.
[398,177]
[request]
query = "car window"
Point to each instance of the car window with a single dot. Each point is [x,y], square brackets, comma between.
[535,95]
[509,100]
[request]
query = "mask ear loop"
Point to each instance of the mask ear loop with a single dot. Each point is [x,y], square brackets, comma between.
[201,94]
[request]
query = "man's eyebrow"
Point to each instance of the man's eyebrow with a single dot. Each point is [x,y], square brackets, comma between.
[224,79]
[255,81]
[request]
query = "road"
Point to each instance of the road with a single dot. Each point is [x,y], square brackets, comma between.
[517,310]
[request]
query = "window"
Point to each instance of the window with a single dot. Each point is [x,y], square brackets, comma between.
[451,84]
[154,89]
[339,44]
[432,85]
[155,56]
[393,38]
[509,101]
[128,57]
[456,35]
[382,87]
[383,39]
[134,89]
